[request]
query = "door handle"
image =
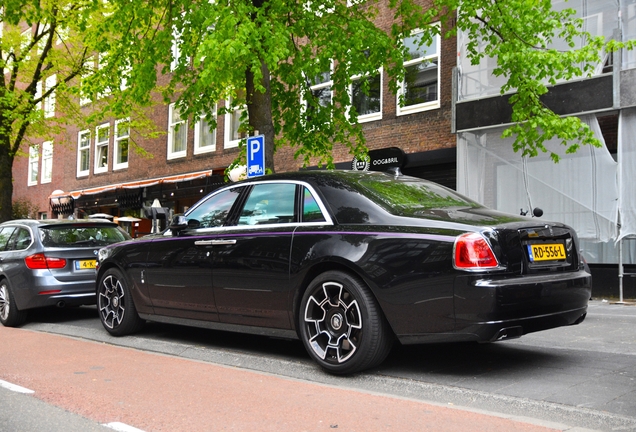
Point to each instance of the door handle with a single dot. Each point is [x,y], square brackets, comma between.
[214,242]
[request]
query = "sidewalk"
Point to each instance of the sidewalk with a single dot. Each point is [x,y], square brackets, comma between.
[156,392]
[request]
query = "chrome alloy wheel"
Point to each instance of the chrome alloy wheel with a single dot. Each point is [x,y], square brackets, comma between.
[111,302]
[4,302]
[334,323]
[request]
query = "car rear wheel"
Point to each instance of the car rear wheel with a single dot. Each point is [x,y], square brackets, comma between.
[10,316]
[341,324]
[115,304]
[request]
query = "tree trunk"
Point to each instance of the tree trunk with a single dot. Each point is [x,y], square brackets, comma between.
[259,109]
[6,180]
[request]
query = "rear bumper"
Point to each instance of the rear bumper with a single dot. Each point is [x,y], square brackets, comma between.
[491,307]
[43,291]
[484,306]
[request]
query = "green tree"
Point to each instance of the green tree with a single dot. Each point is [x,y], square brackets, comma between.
[265,55]
[43,53]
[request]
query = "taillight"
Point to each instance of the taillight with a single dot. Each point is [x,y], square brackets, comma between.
[472,252]
[39,261]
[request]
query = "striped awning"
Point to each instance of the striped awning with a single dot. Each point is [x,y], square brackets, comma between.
[141,183]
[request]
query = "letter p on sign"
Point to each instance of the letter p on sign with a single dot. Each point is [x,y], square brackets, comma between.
[256,156]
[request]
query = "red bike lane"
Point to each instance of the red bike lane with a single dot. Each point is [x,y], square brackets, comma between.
[157,392]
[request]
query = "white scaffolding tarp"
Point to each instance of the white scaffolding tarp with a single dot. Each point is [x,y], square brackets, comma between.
[627,172]
[599,18]
[581,190]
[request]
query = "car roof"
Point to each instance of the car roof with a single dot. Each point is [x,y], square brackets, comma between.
[318,174]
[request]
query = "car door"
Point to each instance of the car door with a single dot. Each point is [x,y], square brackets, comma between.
[179,268]
[7,263]
[251,258]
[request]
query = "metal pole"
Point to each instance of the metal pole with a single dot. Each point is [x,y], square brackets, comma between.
[620,270]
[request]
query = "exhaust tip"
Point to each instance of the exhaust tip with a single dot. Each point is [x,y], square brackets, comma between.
[60,304]
[508,333]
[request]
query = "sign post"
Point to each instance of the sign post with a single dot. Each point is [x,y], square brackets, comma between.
[256,156]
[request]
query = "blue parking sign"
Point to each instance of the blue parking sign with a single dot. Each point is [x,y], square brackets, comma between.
[256,156]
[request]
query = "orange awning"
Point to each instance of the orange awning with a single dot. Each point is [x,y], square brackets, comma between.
[141,183]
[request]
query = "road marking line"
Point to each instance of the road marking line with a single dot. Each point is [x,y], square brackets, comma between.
[15,388]
[121,427]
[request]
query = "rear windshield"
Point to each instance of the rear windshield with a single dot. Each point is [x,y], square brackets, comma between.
[84,235]
[409,195]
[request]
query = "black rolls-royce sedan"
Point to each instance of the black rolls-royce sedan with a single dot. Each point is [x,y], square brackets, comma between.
[348,262]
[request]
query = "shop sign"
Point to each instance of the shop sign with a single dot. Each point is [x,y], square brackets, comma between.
[380,160]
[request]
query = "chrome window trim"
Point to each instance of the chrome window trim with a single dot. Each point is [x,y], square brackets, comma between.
[327,222]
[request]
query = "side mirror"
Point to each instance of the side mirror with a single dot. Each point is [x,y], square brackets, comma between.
[537,212]
[178,223]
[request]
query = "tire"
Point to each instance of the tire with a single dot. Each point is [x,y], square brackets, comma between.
[10,315]
[341,324]
[115,304]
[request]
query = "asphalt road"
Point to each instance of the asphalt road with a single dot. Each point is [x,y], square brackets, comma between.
[582,376]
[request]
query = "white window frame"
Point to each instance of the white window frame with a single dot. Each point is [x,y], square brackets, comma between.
[125,75]
[100,64]
[42,43]
[425,106]
[83,147]
[25,40]
[364,118]
[116,156]
[183,125]
[38,94]
[198,136]
[89,64]
[47,162]
[326,84]
[230,141]
[48,104]
[175,48]
[34,164]
[98,146]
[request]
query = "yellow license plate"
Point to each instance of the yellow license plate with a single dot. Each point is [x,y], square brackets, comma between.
[85,264]
[546,252]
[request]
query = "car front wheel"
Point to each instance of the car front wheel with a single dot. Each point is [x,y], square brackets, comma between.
[10,316]
[115,304]
[341,324]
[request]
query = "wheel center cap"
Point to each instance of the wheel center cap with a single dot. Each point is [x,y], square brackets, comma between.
[115,301]
[336,321]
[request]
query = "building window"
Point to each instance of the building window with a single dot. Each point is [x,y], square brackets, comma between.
[204,136]
[102,136]
[38,95]
[420,87]
[25,41]
[366,97]
[47,161]
[34,159]
[83,153]
[233,132]
[85,98]
[321,91]
[177,133]
[175,49]
[102,62]
[49,101]
[122,144]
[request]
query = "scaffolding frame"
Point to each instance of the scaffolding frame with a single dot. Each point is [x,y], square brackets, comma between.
[621,270]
